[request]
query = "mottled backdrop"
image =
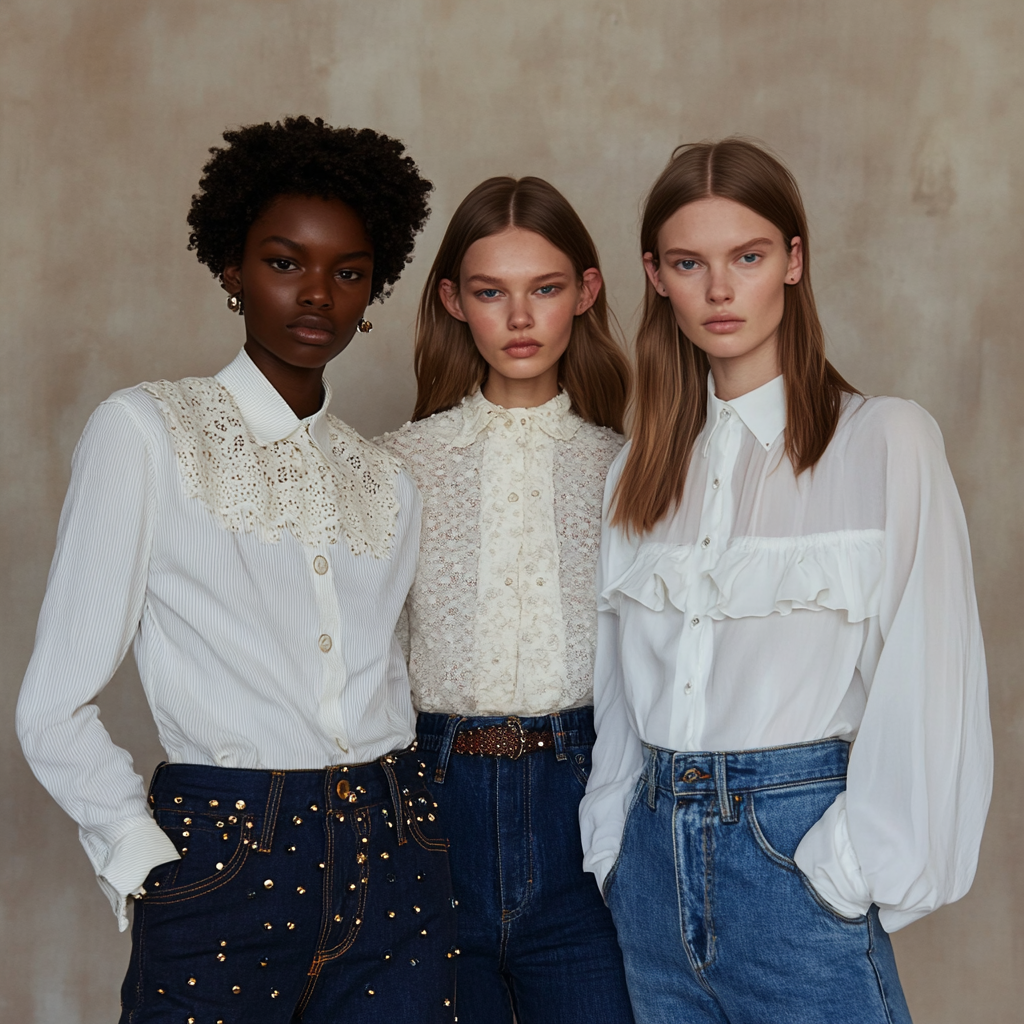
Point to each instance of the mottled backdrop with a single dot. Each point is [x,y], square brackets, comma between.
[901,120]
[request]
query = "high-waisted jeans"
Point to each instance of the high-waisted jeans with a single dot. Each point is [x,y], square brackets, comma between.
[535,937]
[312,896]
[717,923]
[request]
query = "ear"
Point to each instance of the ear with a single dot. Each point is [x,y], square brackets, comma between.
[590,288]
[654,274]
[449,296]
[231,280]
[795,270]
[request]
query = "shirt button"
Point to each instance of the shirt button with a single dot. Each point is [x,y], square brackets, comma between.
[705,542]
[724,414]
[695,621]
[535,494]
[513,497]
[325,643]
[540,583]
[320,565]
[523,422]
[716,483]
[688,688]
[508,581]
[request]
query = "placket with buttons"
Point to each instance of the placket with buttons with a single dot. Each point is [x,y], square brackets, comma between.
[695,652]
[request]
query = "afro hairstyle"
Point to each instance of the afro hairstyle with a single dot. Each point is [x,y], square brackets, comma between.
[299,156]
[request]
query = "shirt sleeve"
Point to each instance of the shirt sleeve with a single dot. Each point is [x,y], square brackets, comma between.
[617,755]
[905,835]
[89,617]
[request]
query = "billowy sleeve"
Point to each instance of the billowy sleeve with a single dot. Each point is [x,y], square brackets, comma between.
[617,755]
[905,835]
[90,615]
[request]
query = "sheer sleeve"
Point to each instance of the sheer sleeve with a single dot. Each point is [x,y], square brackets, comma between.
[906,833]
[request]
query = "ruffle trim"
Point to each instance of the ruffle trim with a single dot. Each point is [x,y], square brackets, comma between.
[759,576]
[286,485]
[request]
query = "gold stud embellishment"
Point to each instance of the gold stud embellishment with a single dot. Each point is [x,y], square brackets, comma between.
[268,884]
[239,805]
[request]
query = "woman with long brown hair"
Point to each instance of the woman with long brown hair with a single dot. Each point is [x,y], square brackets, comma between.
[793,754]
[522,390]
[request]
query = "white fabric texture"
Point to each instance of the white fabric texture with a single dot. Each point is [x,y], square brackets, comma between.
[501,615]
[254,652]
[772,609]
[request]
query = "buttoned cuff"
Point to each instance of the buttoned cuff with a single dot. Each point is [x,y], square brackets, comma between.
[827,857]
[143,847]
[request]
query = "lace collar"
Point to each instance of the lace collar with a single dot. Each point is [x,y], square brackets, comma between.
[554,417]
[259,469]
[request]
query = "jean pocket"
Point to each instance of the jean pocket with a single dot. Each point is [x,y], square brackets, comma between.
[212,852]
[580,762]
[780,818]
[423,823]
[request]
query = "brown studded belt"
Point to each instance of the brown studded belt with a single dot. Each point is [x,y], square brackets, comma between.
[507,740]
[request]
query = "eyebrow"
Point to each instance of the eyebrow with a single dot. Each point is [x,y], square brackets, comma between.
[295,247]
[753,243]
[485,279]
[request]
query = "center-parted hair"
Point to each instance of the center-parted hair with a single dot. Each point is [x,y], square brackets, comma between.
[593,371]
[671,392]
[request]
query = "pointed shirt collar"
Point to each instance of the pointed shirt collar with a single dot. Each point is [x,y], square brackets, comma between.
[763,410]
[554,417]
[267,415]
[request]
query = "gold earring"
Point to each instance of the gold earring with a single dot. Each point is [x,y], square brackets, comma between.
[235,303]
[364,327]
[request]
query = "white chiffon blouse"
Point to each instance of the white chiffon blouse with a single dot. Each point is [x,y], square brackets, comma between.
[774,609]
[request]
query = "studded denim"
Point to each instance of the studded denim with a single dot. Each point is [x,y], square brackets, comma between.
[300,896]
[535,937]
[717,923]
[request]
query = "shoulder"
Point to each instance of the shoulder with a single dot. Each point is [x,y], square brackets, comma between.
[129,412]
[889,424]
[599,444]
[421,441]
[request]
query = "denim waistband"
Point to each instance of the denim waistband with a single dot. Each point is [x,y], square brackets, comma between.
[258,797]
[571,729]
[723,774]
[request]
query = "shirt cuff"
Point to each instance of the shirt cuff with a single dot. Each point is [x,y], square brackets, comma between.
[827,857]
[143,847]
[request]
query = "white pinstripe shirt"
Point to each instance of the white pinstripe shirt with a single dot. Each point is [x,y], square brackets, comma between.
[254,652]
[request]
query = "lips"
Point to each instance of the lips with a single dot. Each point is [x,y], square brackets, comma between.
[312,329]
[723,323]
[522,348]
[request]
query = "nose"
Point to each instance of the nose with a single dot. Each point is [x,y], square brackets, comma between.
[315,292]
[519,317]
[719,287]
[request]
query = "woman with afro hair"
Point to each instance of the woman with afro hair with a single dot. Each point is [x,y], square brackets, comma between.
[255,551]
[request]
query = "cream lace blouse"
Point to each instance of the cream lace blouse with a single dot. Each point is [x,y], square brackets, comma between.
[502,613]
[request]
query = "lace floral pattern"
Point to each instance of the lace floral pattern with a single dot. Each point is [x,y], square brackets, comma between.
[286,485]
[502,614]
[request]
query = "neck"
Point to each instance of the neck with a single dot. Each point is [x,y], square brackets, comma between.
[510,393]
[739,375]
[299,386]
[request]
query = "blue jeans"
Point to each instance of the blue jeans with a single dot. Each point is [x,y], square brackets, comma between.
[312,896]
[535,937]
[717,923]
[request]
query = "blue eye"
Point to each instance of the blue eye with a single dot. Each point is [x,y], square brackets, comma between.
[749,257]
[488,293]
[546,289]
[686,264]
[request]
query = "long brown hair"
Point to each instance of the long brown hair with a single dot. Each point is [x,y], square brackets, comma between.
[672,372]
[593,371]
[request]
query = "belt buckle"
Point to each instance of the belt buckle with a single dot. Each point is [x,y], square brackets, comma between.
[517,727]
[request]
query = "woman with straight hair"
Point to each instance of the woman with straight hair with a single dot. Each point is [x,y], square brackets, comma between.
[793,754]
[521,393]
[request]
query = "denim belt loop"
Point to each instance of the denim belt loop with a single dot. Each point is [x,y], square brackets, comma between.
[270,813]
[559,736]
[726,805]
[387,763]
[444,751]
[652,779]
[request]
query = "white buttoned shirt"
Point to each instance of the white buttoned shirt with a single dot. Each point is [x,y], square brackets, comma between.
[772,609]
[501,615]
[256,563]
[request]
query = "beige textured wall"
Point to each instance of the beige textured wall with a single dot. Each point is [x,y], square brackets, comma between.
[901,120]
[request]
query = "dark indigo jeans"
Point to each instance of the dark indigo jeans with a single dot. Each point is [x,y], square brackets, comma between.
[717,923]
[313,896]
[535,936]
